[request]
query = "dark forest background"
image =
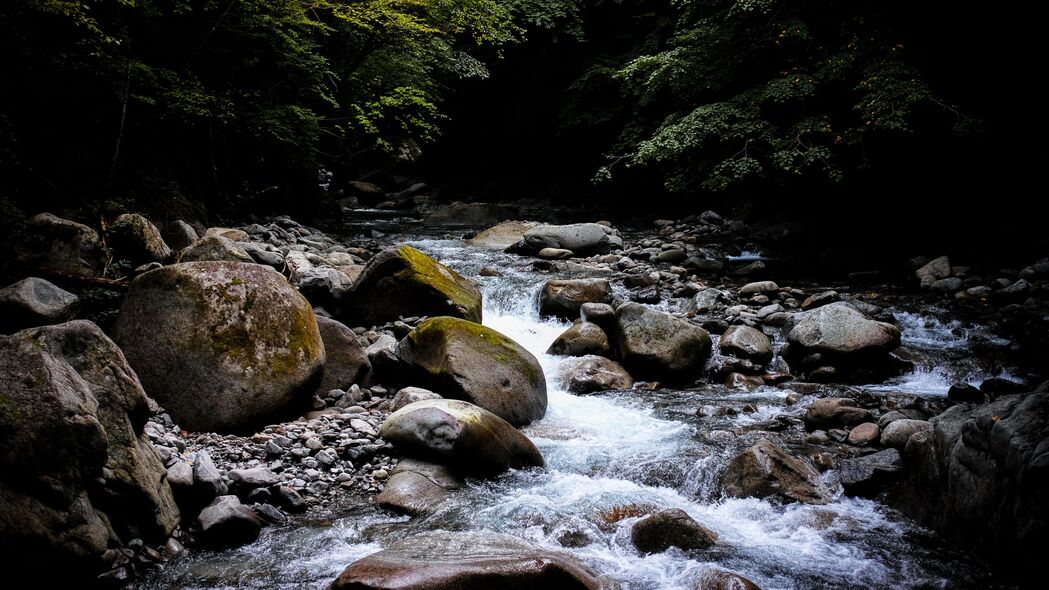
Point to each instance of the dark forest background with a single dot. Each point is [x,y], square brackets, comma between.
[879,126]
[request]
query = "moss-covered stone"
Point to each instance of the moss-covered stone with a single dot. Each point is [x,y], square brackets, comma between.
[221,345]
[463,360]
[403,281]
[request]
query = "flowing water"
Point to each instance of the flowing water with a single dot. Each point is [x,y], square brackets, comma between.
[612,457]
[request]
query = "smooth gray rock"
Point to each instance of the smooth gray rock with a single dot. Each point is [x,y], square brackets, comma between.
[839,329]
[746,343]
[898,432]
[228,523]
[35,302]
[410,395]
[594,374]
[657,345]
[583,239]
[417,487]
[580,339]
[459,434]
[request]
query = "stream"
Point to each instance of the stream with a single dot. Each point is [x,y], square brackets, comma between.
[613,457]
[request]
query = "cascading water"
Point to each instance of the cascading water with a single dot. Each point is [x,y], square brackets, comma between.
[609,459]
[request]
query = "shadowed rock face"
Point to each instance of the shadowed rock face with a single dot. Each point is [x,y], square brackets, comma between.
[464,360]
[54,244]
[34,302]
[459,434]
[979,477]
[77,476]
[442,560]
[223,346]
[402,281]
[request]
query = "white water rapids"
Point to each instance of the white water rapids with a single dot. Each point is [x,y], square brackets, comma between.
[619,452]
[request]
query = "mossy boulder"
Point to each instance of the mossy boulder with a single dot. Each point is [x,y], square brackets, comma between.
[471,440]
[136,238]
[77,475]
[463,360]
[403,281]
[656,345]
[223,346]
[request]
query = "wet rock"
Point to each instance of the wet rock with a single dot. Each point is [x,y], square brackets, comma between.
[403,281]
[410,395]
[707,300]
[766,471]
[581,339]
[214,248]
[34,302]
[657,345]
[896,433]
[978,478]
[722,580]
[670,528]
[864,434]
[441,560]
[601,314]
[345,362]
[228,523]
[459,434]
[223,346]
[463,360]
[563,298]
[503,235]
[747,343]
[583,239]
[965,393]
[77,474]
[594,374]
[134,237]
[758,288]
[50,243]
[868,475]
[835,412]
[417,487]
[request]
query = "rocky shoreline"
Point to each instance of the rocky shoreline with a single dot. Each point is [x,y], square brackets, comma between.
[238,332]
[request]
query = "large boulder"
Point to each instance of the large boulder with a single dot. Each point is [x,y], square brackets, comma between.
[345,361]
[979,478]
[34,302]
[746,343]
[417,487]
[223,346]
[470,439]
[670,528]
[136,238]
[656,345]
[766,471]
[463,360]
[594,374]
[53,244]
[838,329]
[563,298]
[580,339]
[441,560]
[582,239]
[77,476]
[402,281]
[503,235]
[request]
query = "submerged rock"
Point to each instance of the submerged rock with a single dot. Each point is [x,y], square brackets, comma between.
[401,282]
[222,346]
[441,560]
[657,345]
[77,476]
[462,435]
[766,471]
[464,360]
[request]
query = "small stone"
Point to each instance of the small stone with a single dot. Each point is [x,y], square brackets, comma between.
[864,434]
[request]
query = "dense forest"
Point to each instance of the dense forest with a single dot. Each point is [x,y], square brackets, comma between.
[817,108]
